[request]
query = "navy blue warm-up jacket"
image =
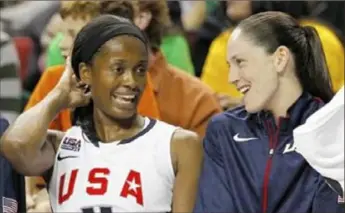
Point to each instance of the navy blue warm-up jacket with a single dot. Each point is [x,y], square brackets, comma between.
[250,165]
[12,184]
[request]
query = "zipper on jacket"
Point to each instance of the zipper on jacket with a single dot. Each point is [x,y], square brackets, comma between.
[273,141]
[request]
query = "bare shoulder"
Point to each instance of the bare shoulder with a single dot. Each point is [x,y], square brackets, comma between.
[182,136]
[186,147]
[54,137]
[187,150]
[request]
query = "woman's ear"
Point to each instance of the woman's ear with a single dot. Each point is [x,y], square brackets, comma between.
[85,73]
[281,58]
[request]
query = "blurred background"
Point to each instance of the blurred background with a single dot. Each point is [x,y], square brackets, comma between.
[194,41]
[30,27]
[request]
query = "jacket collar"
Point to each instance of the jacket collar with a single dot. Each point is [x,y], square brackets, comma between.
[297,113]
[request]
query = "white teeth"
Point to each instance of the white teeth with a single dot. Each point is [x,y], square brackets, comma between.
[124,101]
[126,96]
[244,89]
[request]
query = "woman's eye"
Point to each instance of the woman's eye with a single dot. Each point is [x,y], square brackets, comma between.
[118,69]
[141,70]
[239,61]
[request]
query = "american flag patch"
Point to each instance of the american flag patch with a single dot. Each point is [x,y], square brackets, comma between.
[71,144]
[340,199]
[9,205]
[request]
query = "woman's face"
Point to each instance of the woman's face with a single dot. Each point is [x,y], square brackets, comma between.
[118,76]
[252,71]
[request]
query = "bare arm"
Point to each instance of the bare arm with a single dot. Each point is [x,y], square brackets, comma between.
[26,143]
[187,157]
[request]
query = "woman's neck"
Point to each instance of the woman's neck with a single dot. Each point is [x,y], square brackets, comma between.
[286,95]
[110,130]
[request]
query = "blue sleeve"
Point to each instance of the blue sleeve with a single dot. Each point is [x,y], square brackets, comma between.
[213,193]
[12,184]
[3,126]
[6,184]
[326,199]
[5,173]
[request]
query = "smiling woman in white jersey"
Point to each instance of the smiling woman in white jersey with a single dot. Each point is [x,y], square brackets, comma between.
[114,159]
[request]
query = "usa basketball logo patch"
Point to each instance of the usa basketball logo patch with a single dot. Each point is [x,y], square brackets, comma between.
[71,144]
[340,199]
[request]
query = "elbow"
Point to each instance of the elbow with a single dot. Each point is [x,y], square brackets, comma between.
[17,153]
[9,147]
[13,147]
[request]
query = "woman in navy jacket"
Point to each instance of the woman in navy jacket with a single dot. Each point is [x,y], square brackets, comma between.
[250,163]
[12,185]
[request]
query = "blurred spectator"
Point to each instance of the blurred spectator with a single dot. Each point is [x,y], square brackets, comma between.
[54,26]
[53,54]
[175,13]
[4,4]
[174,46]
[193,14]
[10,84]
[330,11]
[52,35]
[216,71]
[215,22]
[182,99]
[29,18]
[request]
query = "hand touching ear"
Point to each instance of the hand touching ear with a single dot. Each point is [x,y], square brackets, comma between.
[74,93]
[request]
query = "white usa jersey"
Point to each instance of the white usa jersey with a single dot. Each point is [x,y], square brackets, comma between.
[133,175]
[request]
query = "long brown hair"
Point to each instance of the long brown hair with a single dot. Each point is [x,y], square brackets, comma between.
[273,29]
[159,22]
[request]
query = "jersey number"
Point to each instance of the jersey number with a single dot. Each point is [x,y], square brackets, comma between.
[98,185]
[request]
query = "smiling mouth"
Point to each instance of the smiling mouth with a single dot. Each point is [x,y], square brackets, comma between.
[125,99]
[244,89]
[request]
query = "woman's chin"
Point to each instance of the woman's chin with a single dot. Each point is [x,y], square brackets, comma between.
[251,107]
